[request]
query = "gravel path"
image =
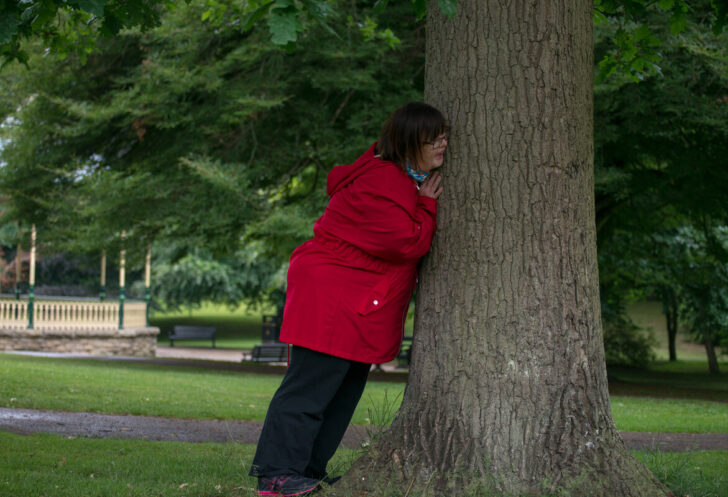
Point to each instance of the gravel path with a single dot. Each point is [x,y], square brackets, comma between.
[83,424]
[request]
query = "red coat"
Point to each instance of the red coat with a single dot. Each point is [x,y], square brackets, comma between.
[350,286]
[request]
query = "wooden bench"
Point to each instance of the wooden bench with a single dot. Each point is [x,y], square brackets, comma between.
[193,333]
[270,352]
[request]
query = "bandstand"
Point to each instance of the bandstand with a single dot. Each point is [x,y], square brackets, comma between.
[75,325]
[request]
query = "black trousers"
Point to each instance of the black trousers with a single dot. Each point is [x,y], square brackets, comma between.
[309,414]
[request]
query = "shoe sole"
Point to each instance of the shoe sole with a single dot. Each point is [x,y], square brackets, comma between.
[302,492]
[267,493]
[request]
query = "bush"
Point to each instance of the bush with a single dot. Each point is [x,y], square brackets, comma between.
[626,343]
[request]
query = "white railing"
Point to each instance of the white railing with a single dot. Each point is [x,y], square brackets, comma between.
[71,314]
[13,314]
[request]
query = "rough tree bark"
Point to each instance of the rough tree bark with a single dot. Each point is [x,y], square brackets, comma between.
[508,385]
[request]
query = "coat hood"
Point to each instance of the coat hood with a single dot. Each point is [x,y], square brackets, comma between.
[340,176]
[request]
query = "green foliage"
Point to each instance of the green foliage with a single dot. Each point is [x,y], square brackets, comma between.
[704,283]
[204,133]
[197,277]
[193,279]
[60,22]
[8,234]
[641,27]
[659,160]
[200,134]
[625,343]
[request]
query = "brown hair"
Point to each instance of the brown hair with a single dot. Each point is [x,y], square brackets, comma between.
[407,130]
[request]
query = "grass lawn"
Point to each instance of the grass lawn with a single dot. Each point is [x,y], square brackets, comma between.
[150,389]
[156,390]
[54,466]
[51,465]
[669,415]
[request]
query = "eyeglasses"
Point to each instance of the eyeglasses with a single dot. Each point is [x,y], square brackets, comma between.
[439,142]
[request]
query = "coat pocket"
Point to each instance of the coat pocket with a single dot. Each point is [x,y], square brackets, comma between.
[375,298]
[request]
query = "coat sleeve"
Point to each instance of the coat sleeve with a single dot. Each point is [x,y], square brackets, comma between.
[384,216]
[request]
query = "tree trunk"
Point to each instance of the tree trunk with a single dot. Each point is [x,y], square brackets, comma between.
[670,309]
[712,358]
[707,334]
[710,351]
[508,385]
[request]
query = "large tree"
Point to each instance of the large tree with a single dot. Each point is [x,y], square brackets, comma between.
[508,386]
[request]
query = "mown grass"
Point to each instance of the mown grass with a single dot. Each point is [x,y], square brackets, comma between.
[669,415]
[184,392]
[51,465]
[55,466]
[149,389]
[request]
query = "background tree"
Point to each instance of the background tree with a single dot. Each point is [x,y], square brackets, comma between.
[704,286]
[201,133]
[660,154]
[73,26]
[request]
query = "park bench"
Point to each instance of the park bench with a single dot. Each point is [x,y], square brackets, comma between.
[270,352]
[193,333]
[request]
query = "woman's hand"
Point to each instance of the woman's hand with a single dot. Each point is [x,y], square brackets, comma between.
[431,186]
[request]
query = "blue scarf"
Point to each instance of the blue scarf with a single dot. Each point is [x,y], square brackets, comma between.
[418,176]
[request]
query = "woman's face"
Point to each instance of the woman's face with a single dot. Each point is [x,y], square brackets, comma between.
[433,154]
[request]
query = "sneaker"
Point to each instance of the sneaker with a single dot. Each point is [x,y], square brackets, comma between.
[267,486]
[290,485]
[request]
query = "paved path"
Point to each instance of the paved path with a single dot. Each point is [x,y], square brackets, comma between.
[82,424]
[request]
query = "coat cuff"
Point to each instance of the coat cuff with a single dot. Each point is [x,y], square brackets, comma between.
[429,203]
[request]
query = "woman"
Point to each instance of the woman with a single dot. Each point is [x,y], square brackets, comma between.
[348,292]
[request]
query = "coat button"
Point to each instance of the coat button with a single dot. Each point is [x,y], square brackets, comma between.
[376,302]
